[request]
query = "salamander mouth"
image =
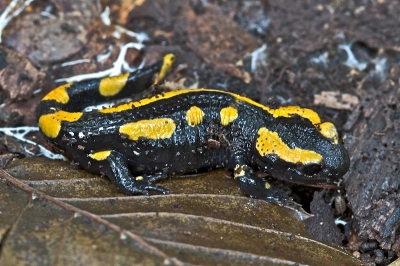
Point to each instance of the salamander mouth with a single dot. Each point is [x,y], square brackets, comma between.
[293,175]
[301,174]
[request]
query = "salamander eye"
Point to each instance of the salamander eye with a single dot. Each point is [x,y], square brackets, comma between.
[312,169]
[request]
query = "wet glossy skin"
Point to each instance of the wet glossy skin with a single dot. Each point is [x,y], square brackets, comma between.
[190,130]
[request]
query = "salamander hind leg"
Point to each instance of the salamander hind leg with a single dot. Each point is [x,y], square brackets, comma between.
[256,187]
[114,165]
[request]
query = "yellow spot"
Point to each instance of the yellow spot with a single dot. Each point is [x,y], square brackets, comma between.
[139,178]
[101,155]
[168,61]
[228,115]
[50,124]
[159,128]
[269,142]
[238,171]
[59,94]
[111,86]
[328,130]
[194,116]
[267,185]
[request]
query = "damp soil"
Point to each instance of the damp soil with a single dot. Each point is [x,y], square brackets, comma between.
[340,58]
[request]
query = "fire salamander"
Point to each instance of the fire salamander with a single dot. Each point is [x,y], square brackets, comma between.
[137,143]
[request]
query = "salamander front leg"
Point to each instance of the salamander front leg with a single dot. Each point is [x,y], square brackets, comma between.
[256,187]
[115,166]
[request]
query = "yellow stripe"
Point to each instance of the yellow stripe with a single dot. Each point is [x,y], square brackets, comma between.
[228,115]
[194,116]
[159,128]
[118,108]
[287,111]
[100,156]
[50,124]
[58,94]
[128,106]
[168,61]
[269,142]
[111,86]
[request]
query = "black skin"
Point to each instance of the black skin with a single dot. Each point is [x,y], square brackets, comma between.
[190,149]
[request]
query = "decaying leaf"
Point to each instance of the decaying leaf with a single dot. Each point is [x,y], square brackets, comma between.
[18,77]
[49,222]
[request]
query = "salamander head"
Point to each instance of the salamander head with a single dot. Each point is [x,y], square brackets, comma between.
[295,150]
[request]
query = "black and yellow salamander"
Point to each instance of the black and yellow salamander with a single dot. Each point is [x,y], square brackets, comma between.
[137,143]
